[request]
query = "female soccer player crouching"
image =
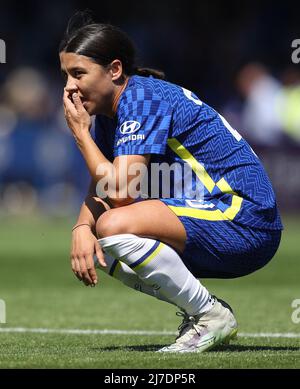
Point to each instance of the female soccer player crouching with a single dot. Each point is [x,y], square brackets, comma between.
[162,246]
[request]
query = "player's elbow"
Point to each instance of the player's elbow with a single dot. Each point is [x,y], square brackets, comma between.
[117,202]
[120,196]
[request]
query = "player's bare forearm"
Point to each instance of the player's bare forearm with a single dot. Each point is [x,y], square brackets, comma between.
[79,121]
[101,168]
[93,157]
[91,209]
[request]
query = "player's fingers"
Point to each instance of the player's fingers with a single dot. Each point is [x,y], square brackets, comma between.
[100,255]
[68,105]
[77,102]
[65,98]
[84,272]
[73,265]
[77,269]
[65,110]
[91,269]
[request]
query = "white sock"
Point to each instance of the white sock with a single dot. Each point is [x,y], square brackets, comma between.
[159,266]
[123,273]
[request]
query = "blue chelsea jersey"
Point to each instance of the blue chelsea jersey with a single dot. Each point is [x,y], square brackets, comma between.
[171,123]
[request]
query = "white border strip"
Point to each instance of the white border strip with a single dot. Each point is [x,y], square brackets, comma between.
[124,332]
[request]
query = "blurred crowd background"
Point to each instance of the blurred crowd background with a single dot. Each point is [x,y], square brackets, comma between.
[235,56]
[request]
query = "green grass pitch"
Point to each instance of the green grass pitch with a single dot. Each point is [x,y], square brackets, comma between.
[41,292]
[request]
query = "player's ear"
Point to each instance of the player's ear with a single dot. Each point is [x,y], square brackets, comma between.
[116,69]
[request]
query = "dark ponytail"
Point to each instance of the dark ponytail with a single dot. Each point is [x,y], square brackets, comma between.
[102,43]
[147,72]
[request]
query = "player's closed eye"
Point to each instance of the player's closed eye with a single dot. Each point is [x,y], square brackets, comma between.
[78,73]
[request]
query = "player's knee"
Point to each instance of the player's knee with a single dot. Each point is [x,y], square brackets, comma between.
[112,222]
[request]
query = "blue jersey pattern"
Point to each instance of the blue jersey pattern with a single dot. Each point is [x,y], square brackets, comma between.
[175,126]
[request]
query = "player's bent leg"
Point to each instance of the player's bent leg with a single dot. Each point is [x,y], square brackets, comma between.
[206,322]
[128,277]
[117,269]
[158,265]
[151,218]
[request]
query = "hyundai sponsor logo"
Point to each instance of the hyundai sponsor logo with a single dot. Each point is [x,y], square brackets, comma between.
[129,127]
[130,138]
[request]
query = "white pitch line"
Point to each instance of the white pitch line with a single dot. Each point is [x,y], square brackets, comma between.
[83,332]
[125,332]
[270,335]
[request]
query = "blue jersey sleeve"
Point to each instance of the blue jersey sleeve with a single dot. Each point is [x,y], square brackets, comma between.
[144,122]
